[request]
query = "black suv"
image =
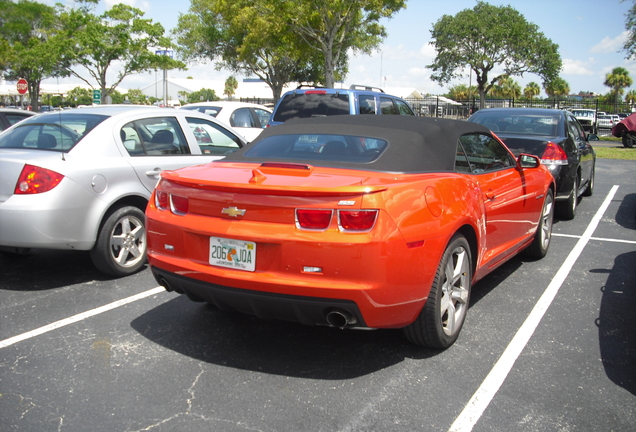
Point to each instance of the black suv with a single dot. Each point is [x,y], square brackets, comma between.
[322,102]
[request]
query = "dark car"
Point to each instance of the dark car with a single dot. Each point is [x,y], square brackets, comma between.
[325,102]
[557,138]
[10,116]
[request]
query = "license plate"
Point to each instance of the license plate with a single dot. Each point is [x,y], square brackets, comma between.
[236,254]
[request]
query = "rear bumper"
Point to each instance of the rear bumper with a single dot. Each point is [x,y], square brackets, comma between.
[305,310]
[63,218]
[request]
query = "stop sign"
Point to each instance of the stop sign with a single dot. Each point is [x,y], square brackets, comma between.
[22,85]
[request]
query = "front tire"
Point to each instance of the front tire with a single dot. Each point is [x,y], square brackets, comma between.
[120,249]
[541,243]
[628,140]
[443,315]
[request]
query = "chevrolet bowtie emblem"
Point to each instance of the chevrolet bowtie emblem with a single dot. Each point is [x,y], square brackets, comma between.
[233,211]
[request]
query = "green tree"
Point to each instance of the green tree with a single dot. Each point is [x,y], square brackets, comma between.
[30,44]
[557,87]
[630,97]
[231,84]
[488,37]
[203,95]
[136,97]
[332,27]
[243,36]
[532,90]
[618,80]
[121,35]
[79,96]
[506,88]
[630,25]
[461,92]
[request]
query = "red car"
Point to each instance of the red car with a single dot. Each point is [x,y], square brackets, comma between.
[351,222]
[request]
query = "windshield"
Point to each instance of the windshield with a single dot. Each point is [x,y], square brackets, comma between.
[54,132]
[583,113]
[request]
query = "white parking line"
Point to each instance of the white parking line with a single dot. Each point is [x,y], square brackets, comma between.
[79,317]
[493,381]
[597,238]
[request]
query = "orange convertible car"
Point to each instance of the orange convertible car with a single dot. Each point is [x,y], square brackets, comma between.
[351,221]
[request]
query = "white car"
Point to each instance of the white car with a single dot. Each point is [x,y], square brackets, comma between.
[605,122]
[81,179]
[248,118]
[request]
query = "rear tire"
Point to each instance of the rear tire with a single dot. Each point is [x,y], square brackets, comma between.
[541,243]
[443,315]
[628,140]
[566,210]
[120,249]
[589,190]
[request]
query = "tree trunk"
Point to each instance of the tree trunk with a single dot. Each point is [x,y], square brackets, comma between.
[482,98]
[329,69]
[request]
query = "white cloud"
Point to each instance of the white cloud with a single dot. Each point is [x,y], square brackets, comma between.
[609,45]
[418,72]
[428,51]
[576,67]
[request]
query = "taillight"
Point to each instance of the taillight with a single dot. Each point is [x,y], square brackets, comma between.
[179,205]
[161,199]
[357,220]
[313,219]
[35,180]
[554,155]
[322,92]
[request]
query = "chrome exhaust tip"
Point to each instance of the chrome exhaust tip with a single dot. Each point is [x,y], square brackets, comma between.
[341,319]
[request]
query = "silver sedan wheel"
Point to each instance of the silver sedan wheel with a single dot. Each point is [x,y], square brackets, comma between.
[121,246]
[128,241]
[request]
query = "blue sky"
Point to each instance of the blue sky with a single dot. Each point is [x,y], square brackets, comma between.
[590,34]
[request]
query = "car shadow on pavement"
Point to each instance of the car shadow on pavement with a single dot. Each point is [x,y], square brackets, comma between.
[39,270]
[232,339]
[617,322]
[626,214]
[240,341]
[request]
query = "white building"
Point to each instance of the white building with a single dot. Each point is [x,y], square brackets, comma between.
[247,88]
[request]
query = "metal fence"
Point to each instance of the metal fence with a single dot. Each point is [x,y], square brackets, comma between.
[439,106]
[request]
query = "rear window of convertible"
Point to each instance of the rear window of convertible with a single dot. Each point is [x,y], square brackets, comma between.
[323,147]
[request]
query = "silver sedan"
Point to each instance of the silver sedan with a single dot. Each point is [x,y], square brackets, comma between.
[81,179]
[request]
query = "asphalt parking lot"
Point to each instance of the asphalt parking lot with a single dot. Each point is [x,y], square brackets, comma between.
[548,345]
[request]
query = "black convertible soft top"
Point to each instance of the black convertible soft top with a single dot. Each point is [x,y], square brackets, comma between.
[415,144]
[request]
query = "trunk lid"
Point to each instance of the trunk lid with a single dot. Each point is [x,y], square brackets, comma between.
[262,193]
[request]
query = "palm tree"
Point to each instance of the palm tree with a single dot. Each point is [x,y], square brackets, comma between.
[532,90]
[557,87]
[507,88]
[630,97]
[461,92]
[618,80]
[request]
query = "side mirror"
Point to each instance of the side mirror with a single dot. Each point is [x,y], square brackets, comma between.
[593,137]
[528,161]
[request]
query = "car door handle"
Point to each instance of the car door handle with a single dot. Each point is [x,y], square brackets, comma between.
[490,194]
[154,173]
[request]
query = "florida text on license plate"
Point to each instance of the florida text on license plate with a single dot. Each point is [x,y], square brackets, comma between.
[236,254]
